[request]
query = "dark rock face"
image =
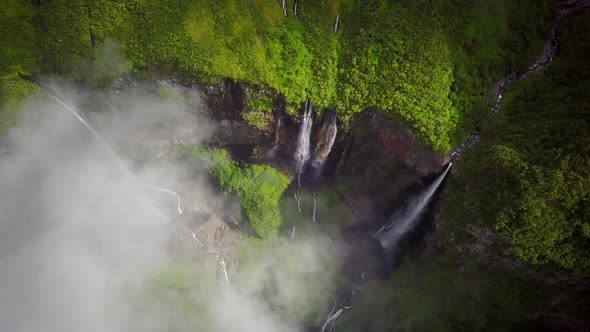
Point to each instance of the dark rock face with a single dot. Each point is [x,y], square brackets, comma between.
[379,160]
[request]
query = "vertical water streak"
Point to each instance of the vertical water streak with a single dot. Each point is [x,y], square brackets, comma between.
[303,139]
[405,220]
[70,110]
[302,150]
[315,203]
[337,22]
[326,138]
[173,193]
[298,196]
[285,7]
[277,141]
[296,8]
[86,124]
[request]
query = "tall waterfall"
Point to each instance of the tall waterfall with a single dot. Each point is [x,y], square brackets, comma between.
[303,139]
[337,23]
[303,147]
[406,219]
[85,124]
[218,256]
[285,7]
[296,8]
[326,138]
[277,141]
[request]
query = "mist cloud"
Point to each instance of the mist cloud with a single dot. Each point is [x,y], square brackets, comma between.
[84,231]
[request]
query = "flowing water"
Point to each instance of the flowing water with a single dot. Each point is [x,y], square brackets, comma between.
[285,7]
[406,219]
[217,255]
[326,139]
[315,206]
[302,150]
[550,49]
[296,8]
[337,23]
[303,139]
[277,141]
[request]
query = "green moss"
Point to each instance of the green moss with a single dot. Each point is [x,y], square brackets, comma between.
[258,187]
[260,120]
[13,90]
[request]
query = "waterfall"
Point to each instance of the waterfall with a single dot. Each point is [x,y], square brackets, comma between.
[277,141]
[406,219]
[298,194]
[326,139]
[85,123]
[337,22]
[296,8]
[285,7]
[303,146]
[173,193]
[334,314]
[217,255]
[315,205]
[303,139]
[550,49]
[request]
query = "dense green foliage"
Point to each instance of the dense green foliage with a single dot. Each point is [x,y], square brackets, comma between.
[530,177]
[18,56]
[429,62]
[429,294]
[258,187]
[525,187]
[426,63]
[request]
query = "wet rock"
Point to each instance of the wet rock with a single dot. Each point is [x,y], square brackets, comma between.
[379,160]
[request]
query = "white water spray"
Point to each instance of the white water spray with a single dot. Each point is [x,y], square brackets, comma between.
[302,151]
[218,257]
[85,124]
[296,8]
[285,7]
[303,139]
[315,203]
[337,23]
[275,146]
[173,193]
[405,220]
[326,139]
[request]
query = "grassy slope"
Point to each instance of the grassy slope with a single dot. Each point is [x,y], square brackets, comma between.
[427,63]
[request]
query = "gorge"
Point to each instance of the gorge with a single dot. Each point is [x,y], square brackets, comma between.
[294,165]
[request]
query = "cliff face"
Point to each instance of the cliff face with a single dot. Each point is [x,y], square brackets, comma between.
[379,160]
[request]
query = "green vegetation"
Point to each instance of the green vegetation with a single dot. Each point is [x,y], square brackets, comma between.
[18,56]
[428,64]
[527,180]
[260,120]
[429,294]
[530,176]
[258,187]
